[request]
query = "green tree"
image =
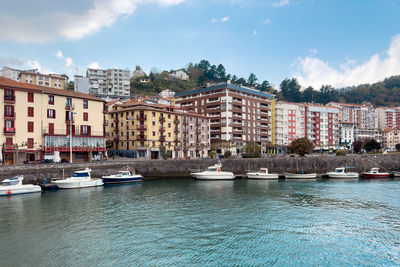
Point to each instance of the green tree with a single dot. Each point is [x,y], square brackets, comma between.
[308,95]
[290,89]
[301,146]
[252,149]
[357,145]
[372,145]
[252,79]
[265,86]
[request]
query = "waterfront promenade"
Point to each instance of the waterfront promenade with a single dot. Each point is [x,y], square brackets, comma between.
[182,168]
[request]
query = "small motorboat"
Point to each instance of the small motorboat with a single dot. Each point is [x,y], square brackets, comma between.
[396,173]
[375,174]
[214,173]
[300,175]
[262,174]
[14,186]
[341,173]
[79,179]
[122,177]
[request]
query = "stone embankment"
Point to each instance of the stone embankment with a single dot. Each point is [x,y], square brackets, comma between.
[182,168]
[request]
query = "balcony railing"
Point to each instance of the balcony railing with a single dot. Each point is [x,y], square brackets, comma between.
[69,106]
[141,118]
[9,98]
[176,121]
[141,138]
[9,115]
[8,130]
[162,129]
[162,119]
[162,138]
[141,128]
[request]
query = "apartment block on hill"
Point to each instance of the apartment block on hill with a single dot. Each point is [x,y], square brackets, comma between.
[109,84]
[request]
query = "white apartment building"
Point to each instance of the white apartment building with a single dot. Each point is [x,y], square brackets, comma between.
[81,84]
[13,74]
[289,122]
[362,115]
[179,74]
[109,84]
[387,117]
[348,133]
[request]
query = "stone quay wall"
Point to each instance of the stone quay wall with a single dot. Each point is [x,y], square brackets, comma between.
[34,173]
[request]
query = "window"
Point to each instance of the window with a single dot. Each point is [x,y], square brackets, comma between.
[30,126]
[30,97]
[51,128]
[69,102]
[9,95]
[51,100]
[169,134]
[85,130]
[69,116]
[9,141]
[169,124]
[153,123]
[30,142]
[169,116]
[153,114]
[85,116]
[154,133]
[85,104]
[30,111]
[9,111]
[51,113]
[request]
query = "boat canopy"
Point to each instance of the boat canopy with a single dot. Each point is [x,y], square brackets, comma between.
[81,174]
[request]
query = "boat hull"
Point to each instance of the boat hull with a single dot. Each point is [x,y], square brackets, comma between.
[376,176]
[300,176]
[396,174]
[111,180]
[65,184]
[265,176]
[348,175]
[17,191]
[211,176]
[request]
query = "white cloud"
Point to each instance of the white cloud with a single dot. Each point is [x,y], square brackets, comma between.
[315,72]
[266,21]
[255,32]
[63,25]
[281,3]
[69,64]
[22,64]
[224,19]
[59,54]
[94,65]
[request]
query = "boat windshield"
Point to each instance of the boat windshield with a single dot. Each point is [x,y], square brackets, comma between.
[80,174]
[339,170]
[12,181]
[212,169]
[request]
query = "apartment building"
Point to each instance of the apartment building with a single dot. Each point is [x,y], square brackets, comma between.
[58,81]
[321,125]
[13,74]
[179,74]
[362,115]
[288,121]
[81,84]
[144,130]
[387,117]
[390,137]
[348,133]
[109,84]
[237,114]
[41,120]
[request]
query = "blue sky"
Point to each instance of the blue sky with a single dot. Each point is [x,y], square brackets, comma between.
[319,42]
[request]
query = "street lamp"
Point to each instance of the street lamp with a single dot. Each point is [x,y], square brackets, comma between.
[70,136]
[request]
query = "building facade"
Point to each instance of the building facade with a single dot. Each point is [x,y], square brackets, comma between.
[180,75]
[387,117]
[13,74]
[237,114]
[109,84]
[348,133]
[390,137]
[40,120]
[81,84]
[58,81]
[289,123]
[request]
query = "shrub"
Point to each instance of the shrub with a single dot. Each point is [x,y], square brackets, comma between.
[212,154]
[301,146]
[341,153]
[227,154]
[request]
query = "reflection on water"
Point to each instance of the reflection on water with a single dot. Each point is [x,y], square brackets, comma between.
[206,223]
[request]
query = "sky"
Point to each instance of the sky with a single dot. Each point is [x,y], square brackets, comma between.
[319,42]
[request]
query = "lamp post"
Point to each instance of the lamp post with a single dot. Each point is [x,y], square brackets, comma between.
[70,136]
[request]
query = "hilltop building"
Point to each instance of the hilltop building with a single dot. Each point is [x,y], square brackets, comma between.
[179,74]
[13,74]
[81,84]
[138,72]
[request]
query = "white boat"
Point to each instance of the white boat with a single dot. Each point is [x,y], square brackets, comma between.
[14,186]
[340,172]
[79,179]
[374,173]
[122,177]
[262,174]
[396,173]
[213,173]
[300,175]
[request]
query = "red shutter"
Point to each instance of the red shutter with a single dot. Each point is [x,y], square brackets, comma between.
[30,142]
[89,130]
[48,113]
[30,97]
[82,130]
[9,141]
[73,129]
[51,128]
[30,111]
[54,114]
[30,126]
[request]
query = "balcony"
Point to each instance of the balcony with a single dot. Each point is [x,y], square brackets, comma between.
[162,129]
[176,130]
[141,137]
[185,130]
[141,118]
[162,119]
[9,131]
[9,115]
[9,99]
[141,128]
[69,106]
[68,121]
[176,121]
[162,138]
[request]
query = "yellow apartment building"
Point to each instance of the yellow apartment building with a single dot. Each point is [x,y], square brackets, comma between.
[142,130]
[39,121]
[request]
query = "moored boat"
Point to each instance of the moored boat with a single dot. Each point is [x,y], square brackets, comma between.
[300,175]
[375,174]
[79,179]
[14,186]
[122,177]
[262,174]
[214,173]
[340,173]
[396,173]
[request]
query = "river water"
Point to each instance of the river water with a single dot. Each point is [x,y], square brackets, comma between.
[205,223]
